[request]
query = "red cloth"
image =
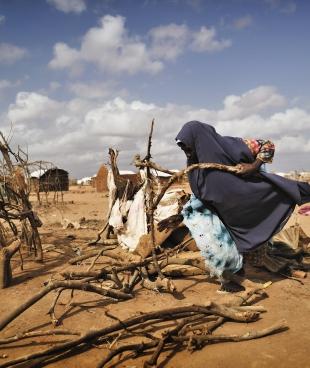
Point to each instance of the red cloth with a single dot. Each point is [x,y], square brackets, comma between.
[305,211]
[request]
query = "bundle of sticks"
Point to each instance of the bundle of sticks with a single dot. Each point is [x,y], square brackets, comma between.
[194,326]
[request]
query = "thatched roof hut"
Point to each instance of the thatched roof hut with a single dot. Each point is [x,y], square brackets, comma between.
[50,180]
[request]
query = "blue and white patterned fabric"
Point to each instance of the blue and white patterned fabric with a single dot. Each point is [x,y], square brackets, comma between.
[212,238]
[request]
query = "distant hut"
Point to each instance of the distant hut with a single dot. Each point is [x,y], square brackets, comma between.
[135,178]
[101,182]
[50,180]
[163,178]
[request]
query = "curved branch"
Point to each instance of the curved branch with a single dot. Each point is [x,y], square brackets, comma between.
[76,285]
[179,174]
[141,164]
[176,175]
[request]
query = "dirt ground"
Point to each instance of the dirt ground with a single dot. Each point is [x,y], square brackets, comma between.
[288,300]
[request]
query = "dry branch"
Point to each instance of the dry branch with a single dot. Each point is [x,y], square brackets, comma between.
[159,284]
[105,226]
[280,326]
[6,253]
[149,203]
[76,285]
[51,311]
[208,309]
[29,334]
[103,252]
[181,173]
[136,348]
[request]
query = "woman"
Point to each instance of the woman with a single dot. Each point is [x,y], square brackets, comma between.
[229,215]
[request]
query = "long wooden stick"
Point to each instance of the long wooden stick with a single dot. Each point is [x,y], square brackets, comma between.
[29,334]
[181,173]
[149,203]
[93,253]
[102,230]
[76,285]
[279,326]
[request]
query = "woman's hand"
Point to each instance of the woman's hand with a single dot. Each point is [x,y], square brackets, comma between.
[245,169]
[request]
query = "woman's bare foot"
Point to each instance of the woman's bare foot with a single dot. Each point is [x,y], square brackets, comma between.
[241,281]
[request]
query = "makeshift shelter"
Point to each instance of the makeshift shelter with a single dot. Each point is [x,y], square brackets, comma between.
[131,175]
[50,180]
[163,177]
[101,179]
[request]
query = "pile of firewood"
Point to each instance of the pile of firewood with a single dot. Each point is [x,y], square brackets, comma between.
[194,327]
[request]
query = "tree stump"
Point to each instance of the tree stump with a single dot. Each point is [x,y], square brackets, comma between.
[6,253]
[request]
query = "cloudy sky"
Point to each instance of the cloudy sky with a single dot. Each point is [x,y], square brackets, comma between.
[79,76]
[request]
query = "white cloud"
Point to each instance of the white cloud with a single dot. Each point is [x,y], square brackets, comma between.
[113,49]
[293,144]
[64,56]
[7,84]
[2,19]
[9,53]
[69,6]
[169,41]
[253,101]
[76,134]
[31,105]
[54,86]
[243,22]
[95,90]
[205,40]
[4,84]
[110,48]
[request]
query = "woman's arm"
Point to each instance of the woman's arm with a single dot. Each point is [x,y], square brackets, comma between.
[262,150]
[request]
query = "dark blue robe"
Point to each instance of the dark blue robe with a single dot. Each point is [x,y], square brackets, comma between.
[254,208]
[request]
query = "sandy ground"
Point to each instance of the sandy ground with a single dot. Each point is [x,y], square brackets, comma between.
[287,300]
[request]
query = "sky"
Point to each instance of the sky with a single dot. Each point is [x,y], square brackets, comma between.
[80,76]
